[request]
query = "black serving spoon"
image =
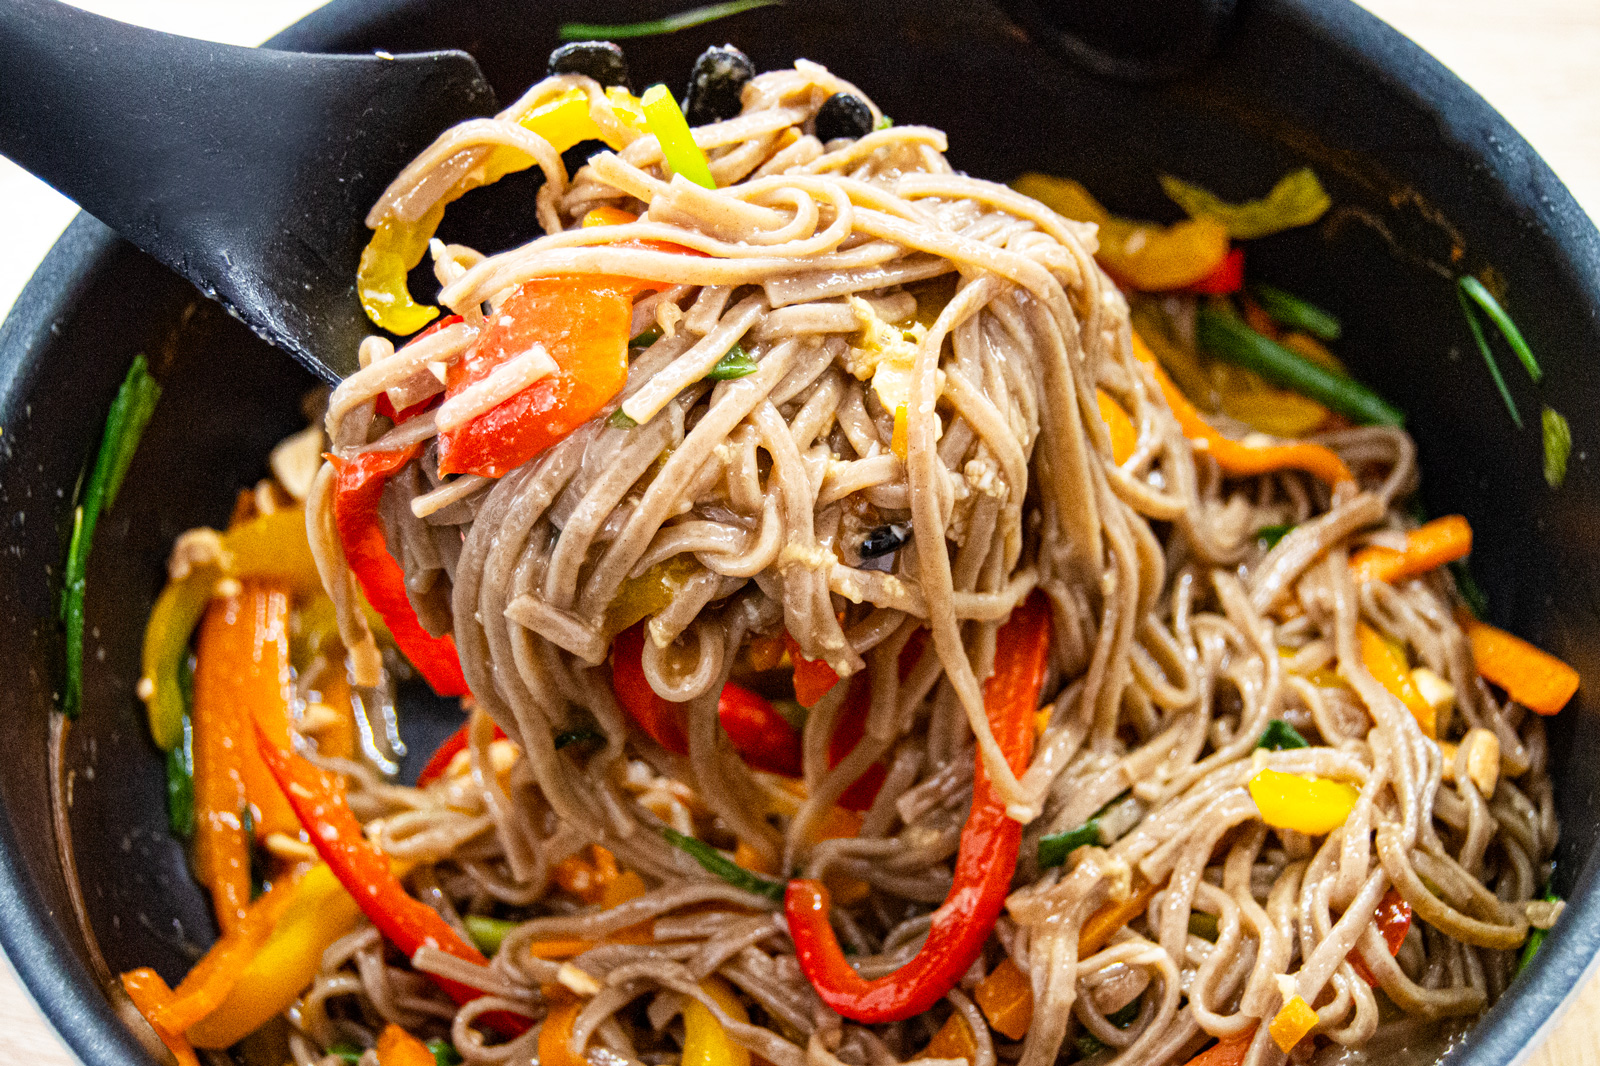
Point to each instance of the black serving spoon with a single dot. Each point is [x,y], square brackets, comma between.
[246,170]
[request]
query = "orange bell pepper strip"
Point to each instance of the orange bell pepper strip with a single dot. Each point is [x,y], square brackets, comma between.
[1103,924]
[1291,1024]
[150,993]
[1228,1052]
[1387,664]
[363,869]
[242,674]
[1237,457]
[555,1036]
[954,1040]
[1006,999]
[1429,546]
[1124,438]
[396,1047]
[1536,679]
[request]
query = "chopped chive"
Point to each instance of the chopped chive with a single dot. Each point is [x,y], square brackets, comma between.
[346,1052]
[699,16]
[1481,296]
[444,1052]
[1270,535]
[577,736]
[666,121]
[1281,736]
[1054,849]
[619,419]
[1290,310]
[1488,357]
[180,762]
[489,933]
[737,363]
[1557,446]
[1471,592]
[884,123]
[647,338]
[714,862]
[1225,335]
[129,414]
[1536,936]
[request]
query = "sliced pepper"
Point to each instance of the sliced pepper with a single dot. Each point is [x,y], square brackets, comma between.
[1386,662]
[1006,999]
[1124,438]
[1290,1025]
[954,1040]
[1226,280]
[705,1041]
[985,862]
[149,994]
[319,912]
[1393,919]
[396,1047]
[445,754]
[357,492]
[555,1036]
[1534,678]
[1309,805]
[318,801]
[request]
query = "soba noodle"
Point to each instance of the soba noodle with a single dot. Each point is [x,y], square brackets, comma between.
[1178,636]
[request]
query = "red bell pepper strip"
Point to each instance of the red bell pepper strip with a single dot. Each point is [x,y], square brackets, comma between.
[761,735]
[355,512]
[848,730]
[1393,918]
[985,863]
[1226,279]
[318,800]
[813,678]
[445,754]
[385,406]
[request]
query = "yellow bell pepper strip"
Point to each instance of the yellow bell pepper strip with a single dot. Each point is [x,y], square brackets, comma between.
[1386,662]
[269,546]
[555,1036]
[1431,545]
[1290,1025]
[1103,924]
[364,870]
[705,1041]
[397,246]
[319,911]
[1298,199]
[672,130]
[1124,438]
[1536,679]
[150,993]
[1236,457]
[396,1047]
[1141,255]
[1307,805]
[1006,999]
[954,1040]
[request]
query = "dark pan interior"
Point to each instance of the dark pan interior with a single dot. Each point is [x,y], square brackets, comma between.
[1430,180]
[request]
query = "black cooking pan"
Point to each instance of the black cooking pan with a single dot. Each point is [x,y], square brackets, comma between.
[1429,182]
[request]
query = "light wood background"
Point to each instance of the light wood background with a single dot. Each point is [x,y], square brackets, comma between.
[1538,61]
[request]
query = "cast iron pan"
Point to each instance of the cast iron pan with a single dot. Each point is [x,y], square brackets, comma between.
[1430,181]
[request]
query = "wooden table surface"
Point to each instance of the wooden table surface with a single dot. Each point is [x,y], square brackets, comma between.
[1535,60]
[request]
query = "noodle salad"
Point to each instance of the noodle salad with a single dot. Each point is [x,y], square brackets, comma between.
[895,615]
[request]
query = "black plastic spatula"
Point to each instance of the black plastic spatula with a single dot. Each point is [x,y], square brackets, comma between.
[247,171]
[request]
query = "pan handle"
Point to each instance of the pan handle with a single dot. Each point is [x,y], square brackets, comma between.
[1129,40]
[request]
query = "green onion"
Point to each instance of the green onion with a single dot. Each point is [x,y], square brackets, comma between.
[593,31]
[489,933]
[884,123]
[1536,936]
[1557,446]
[1226,336]
[444,1053]
[577,736]
[647,338]
[1203,925]
[672,130]
[130,412]
[1471,593]
[714,862]
[737,363]
[180,762]
[348,1052]
[1298,199]
[1270,535]
[1488,358]
[1054,849]
[1288,309]
[1474,290]
[619,419]
[1281,736]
